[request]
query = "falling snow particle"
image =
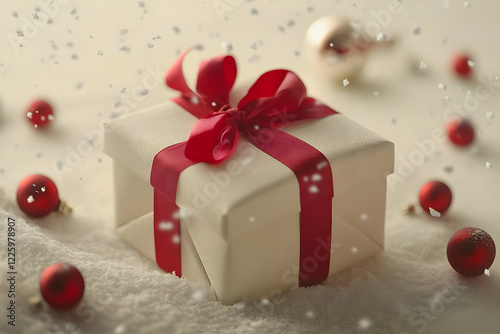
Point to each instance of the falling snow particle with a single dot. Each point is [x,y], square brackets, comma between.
[448,169]
[313,189]
[364,323]
[442,86]
[310,315]
[166,226]
[446,98]
[467,4]
[470,63]
[363,216]
[354,250]
[120,329]
[376,93]
[316,177]
[345,82]
[422,67]
[490,115]
[381,37]
[198,295]
[416,30]
[227,46]
[175,239]
[30,199]
[252,219]
[434,213]
[488,165]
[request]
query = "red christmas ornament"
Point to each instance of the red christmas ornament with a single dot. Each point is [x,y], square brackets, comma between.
[62,285]
[435,198]
[460,131]
[40,114]
[37,196]
[470,251]
[461,65]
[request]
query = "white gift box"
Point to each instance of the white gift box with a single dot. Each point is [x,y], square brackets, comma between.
[243,239]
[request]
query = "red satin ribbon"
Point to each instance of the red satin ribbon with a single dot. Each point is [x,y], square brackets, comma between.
[276,99]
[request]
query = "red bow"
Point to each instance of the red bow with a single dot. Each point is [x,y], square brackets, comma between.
[276,99]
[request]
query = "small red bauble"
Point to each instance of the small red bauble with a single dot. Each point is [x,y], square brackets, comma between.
[461,65]
[435,195]
[40,114]
[470,251]
[460,131]
[62,285]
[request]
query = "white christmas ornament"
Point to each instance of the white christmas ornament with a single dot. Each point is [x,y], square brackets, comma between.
[336,49]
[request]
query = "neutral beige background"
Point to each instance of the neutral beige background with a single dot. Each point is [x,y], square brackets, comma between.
[77,64]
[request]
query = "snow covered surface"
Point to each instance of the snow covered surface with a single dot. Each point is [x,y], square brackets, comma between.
[95,54]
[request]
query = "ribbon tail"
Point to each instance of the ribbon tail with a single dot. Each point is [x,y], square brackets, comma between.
[168,164]
[314,175]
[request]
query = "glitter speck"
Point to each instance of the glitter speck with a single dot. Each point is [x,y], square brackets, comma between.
[486,272]
[175,239]
[345,82]
[363,216]
[251,219]
[43,189]
[490,115]
[29,114]
[310,315]
[31,199]
[488,165]
[467,4]
[354,249]
[442,86]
